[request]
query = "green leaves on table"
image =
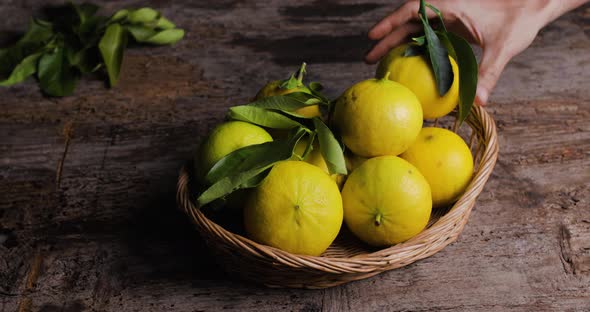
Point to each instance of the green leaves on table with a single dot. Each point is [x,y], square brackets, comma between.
[437,45]
[142,16]
[147,25]
[56,76]
[112,46]
[74,40]
[20,60]
[23,70]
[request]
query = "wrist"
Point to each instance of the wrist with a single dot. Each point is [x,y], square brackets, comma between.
[553,9]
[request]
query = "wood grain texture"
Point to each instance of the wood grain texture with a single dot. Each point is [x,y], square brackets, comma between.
[109,236]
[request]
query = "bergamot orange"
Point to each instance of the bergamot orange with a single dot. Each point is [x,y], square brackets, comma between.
[226,138]
[297,208]
[445,161]
[386,201]
[378,117]
[415,73]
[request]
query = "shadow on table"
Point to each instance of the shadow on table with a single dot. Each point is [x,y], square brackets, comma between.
[8,38]
[166,242]
[314,49]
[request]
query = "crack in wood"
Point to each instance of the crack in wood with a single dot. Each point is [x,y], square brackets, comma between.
[68,133]
[565,250]
[32,276]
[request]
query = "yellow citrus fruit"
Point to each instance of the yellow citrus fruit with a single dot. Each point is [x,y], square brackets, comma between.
[226,138]
[274,88]
[445,160]
[297,208]
[415,73]
[315,158]
[378,117]
[386,201]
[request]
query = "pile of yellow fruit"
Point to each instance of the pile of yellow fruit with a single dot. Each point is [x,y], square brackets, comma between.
[396,170]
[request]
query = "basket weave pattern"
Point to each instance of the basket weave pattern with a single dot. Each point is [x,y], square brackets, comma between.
[347,259]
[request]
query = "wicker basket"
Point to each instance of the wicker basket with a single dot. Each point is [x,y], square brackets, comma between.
[347,259]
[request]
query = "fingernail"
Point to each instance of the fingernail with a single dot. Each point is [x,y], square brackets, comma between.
[368,58]
[481,96]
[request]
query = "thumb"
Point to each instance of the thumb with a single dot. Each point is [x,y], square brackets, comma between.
[492,64]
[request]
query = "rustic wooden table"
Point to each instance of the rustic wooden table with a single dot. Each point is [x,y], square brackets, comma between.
[106,236]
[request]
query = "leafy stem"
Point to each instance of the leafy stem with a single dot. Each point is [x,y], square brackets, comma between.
[439,45]
[438,54]
[294,81]
[301,73]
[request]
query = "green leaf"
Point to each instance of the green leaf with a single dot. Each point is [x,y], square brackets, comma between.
[24,69]
[167,36]
[36,37]
[146,34]
[88,22]
[315,86]
[439,14]
[85,11]
[139,32]
[330,148]
[81,42]
[290,83]
[119,16]
[164,23]
[414,50]
[112,46]
[242,158]
[143,15]
[39,32]
[87,60]
[447,43]
[228,185]
[419,40]
[439,57]
[56,76]
[262,117]
[247,167]
[288,102]
[308,148]
[253,156]
[468,74]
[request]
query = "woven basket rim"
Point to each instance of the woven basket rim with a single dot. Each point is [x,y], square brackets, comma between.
[480,121]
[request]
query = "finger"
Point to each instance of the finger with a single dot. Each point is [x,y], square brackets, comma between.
[395,38]
[492,64]
[400,16]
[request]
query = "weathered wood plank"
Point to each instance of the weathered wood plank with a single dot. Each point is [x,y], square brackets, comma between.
[109,238]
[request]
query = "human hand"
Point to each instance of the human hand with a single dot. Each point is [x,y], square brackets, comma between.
[503,28]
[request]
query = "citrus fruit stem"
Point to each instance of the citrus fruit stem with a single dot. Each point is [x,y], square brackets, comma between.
[378,219]
[301,73]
